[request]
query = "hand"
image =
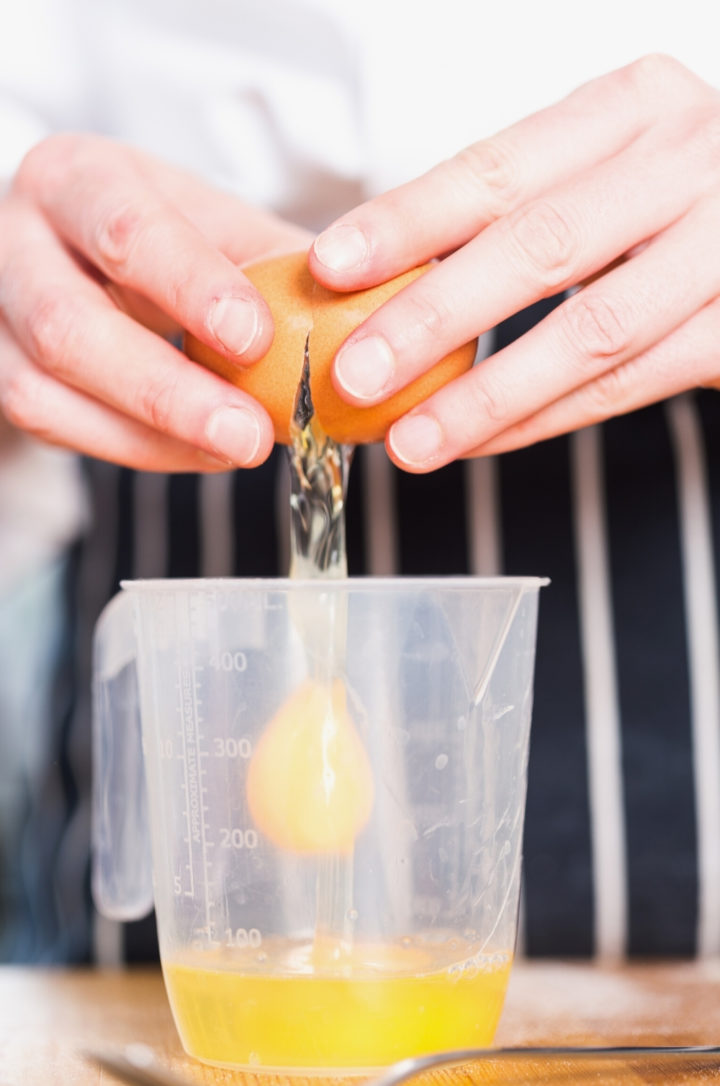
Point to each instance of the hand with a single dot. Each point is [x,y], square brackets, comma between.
[615,189]
[104,250]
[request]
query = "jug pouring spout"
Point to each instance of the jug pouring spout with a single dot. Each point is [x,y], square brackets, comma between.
[122,863]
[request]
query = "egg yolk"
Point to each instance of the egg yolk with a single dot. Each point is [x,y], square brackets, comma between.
[309,784]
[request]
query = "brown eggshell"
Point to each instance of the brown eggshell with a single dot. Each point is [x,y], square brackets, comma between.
[300,305]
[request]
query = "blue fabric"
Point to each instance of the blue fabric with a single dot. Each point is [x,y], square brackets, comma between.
[33,629]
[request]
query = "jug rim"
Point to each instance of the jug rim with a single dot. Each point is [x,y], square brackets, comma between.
[365,582]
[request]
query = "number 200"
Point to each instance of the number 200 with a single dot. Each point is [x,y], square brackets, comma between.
[237,838]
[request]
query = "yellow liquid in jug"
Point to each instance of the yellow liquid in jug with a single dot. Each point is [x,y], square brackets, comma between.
[366,1014]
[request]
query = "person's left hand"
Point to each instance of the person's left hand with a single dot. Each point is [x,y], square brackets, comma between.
[616,190]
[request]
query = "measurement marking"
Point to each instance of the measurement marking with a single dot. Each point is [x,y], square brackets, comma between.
[203,827]
[185,777]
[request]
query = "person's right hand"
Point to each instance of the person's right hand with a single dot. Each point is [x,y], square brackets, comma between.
[103,252]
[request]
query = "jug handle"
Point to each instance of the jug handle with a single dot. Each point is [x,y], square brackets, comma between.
[121,861]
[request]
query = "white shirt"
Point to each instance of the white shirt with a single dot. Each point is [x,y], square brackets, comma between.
[305,106]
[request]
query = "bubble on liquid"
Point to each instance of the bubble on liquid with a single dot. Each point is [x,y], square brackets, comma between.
[254,1059]
[352,914]
[406,941]
[441,761]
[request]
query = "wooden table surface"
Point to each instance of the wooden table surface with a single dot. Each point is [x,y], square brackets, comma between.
[47,1019]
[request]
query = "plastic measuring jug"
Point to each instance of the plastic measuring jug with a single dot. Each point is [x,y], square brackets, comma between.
[320,786]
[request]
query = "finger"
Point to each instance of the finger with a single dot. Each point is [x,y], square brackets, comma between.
[614,319]
[242,232]
[448,205]
[98,200]
[689,357]
[543,248]
[36,403]
[66,323]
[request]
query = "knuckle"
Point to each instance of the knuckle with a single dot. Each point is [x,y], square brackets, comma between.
[489,167]
[427,314]
[595,326]
[182,291]
[117,235]
[157,400]
[50,330]
[660,76]
[488,400]
[652,70]
[606,393]
[545,242]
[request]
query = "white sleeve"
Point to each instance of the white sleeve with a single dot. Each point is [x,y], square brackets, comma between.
[43,75]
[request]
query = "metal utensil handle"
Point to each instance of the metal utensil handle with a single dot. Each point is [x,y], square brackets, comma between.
[406,1069]
[134,1073]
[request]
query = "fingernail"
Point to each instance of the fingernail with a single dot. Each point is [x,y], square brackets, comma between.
[416,439]
[341,247]
[234,433]
[365,368]
[234,323]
